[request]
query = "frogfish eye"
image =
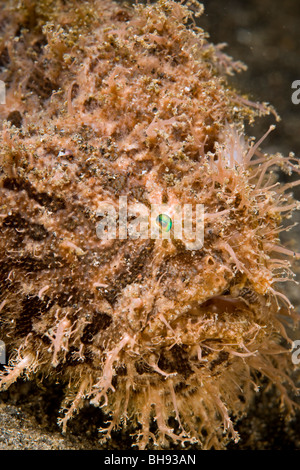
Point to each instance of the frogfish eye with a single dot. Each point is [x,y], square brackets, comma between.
[164,222]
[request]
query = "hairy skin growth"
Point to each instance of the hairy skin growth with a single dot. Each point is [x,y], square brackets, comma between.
[105,101]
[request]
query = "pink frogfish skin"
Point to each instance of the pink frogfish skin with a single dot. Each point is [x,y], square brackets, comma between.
[107,101]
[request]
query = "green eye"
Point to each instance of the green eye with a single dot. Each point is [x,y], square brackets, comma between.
[165,222]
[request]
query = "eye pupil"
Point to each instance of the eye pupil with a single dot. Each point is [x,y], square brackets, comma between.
[165,222]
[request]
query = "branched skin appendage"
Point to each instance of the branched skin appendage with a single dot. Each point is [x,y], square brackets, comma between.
[106,101]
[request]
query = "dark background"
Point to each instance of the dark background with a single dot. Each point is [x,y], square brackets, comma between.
[265,35]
